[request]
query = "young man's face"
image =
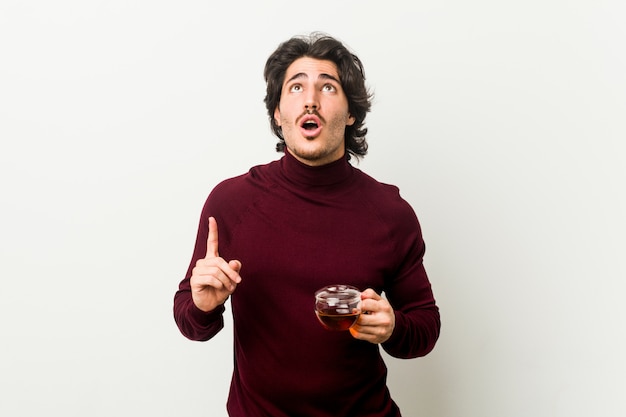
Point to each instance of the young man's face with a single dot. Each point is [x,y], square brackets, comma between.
[313,112]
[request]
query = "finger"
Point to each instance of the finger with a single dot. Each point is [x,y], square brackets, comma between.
[374,331]
[369,306]
[208,292]
[215,278]
[370,294]
[223,283]
[361,333]
[370,299]
[236,267]
[218,266]
[230,272]
[211,242]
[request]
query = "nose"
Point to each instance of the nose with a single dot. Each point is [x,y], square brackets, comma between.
[311,101]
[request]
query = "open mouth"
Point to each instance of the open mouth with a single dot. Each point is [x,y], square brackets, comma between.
[310,125]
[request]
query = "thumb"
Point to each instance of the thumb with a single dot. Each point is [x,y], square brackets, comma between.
[235,265]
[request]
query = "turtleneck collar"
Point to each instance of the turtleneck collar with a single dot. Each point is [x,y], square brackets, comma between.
[324,175]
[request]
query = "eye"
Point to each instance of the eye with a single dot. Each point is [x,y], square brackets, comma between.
[296,88]
[329,88]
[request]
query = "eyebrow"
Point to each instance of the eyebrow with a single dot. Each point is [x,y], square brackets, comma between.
[322,76]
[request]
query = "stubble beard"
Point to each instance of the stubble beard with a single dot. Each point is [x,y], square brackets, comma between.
[310,150]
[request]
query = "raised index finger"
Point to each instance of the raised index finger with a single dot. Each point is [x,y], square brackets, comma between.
[211,242]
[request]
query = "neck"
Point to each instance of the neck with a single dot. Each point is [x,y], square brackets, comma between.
[321,175]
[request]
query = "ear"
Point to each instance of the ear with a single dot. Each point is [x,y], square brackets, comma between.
[351,120]
[277,117]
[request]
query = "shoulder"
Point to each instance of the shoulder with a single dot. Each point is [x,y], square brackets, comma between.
[383,192]
[386,201]
[240,190]
[255,176]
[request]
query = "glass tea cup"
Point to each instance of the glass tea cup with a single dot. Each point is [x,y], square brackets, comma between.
[338,306]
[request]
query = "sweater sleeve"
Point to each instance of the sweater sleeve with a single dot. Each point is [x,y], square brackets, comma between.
[417,324]
[192,322]
[409,292]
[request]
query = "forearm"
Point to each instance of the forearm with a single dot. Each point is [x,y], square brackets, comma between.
[415,333]
[194,323]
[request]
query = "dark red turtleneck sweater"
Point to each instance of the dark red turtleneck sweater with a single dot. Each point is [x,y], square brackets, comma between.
[296,229]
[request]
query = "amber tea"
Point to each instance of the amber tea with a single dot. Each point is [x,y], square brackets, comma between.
[333,321]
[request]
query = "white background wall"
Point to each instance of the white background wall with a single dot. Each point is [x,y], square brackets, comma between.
[503,123]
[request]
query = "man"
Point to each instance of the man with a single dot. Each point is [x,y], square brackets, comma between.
[298,224]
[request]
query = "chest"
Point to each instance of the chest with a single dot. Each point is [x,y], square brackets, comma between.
[305,245]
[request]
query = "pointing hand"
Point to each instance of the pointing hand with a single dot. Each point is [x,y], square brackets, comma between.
[213,279]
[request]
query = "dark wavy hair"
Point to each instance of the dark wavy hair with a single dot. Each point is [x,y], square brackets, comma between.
[351,76]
